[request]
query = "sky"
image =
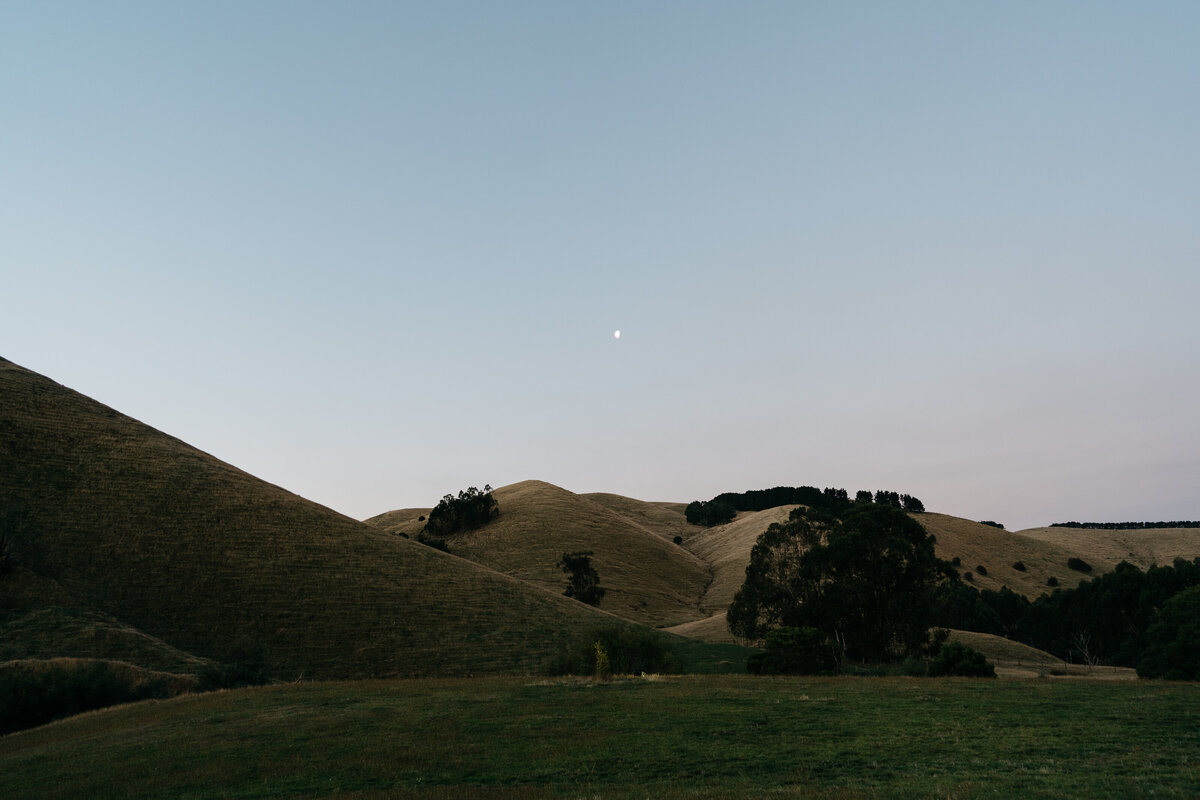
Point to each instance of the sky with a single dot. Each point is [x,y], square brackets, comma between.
[376,252]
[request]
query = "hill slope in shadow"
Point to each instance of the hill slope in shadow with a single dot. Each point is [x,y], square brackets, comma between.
[134,525]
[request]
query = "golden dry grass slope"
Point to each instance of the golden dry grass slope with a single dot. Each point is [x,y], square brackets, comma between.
[646,576]
[118,520]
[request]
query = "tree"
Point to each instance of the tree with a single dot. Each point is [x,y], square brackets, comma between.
[583,581]
[1173,642]
[867,580]
[470,510]
[713,512]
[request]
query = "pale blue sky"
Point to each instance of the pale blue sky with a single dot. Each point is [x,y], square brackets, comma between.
[376,252]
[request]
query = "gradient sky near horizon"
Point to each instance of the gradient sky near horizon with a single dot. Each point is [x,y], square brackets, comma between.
[375,252]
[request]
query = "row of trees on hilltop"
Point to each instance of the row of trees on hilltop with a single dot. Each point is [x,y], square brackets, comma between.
[725,506]
[1126,526]
[470,510]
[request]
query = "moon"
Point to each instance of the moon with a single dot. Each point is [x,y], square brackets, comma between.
[616,334]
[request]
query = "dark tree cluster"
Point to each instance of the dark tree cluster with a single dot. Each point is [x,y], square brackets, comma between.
[865,579]
[1126,526]
[583,581]
[714,512]
[1149,620]
[723,507]
[470,510]
[992,523]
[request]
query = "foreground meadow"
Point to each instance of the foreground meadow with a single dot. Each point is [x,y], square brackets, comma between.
[670,737]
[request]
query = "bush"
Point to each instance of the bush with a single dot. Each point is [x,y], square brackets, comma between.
[1052,581]
[957,659]
[794,651]
[1079,565]
[956,561]
[436,542]
[629,650]
[1019,566]
[981,569]
[678,540]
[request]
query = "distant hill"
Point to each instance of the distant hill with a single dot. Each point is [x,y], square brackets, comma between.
[129,527]
[647,577]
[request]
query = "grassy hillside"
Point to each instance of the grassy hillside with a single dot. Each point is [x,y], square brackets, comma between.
[129,523]
[997,550]
[1105,549]
[726,548]
[691,737]
[647,577]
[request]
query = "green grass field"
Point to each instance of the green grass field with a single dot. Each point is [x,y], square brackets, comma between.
[671,737]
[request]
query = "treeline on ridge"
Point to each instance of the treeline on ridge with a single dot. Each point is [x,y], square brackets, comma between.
[725,506]
[1126,526]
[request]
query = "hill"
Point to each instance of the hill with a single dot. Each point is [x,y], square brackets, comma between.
[647,577]
[129,527]
[1104,549]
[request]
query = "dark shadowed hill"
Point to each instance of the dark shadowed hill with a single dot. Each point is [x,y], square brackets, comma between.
[126,523]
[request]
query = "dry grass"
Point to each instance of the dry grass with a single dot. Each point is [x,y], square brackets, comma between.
[1105,549]
[139,526]
[710,629]
[726,548]
[997,550]
[67,632]
[647,578]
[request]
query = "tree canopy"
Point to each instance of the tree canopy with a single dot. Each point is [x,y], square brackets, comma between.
[471,509]
[583,579]
[867,579]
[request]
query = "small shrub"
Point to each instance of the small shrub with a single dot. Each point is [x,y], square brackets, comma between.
[958,659]
[1052,581]
[678,540]
[968,577]
[603,668]
[991,523]
[1079,565]
[421,518]
[1019,566]
[956,561]
[981,569]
